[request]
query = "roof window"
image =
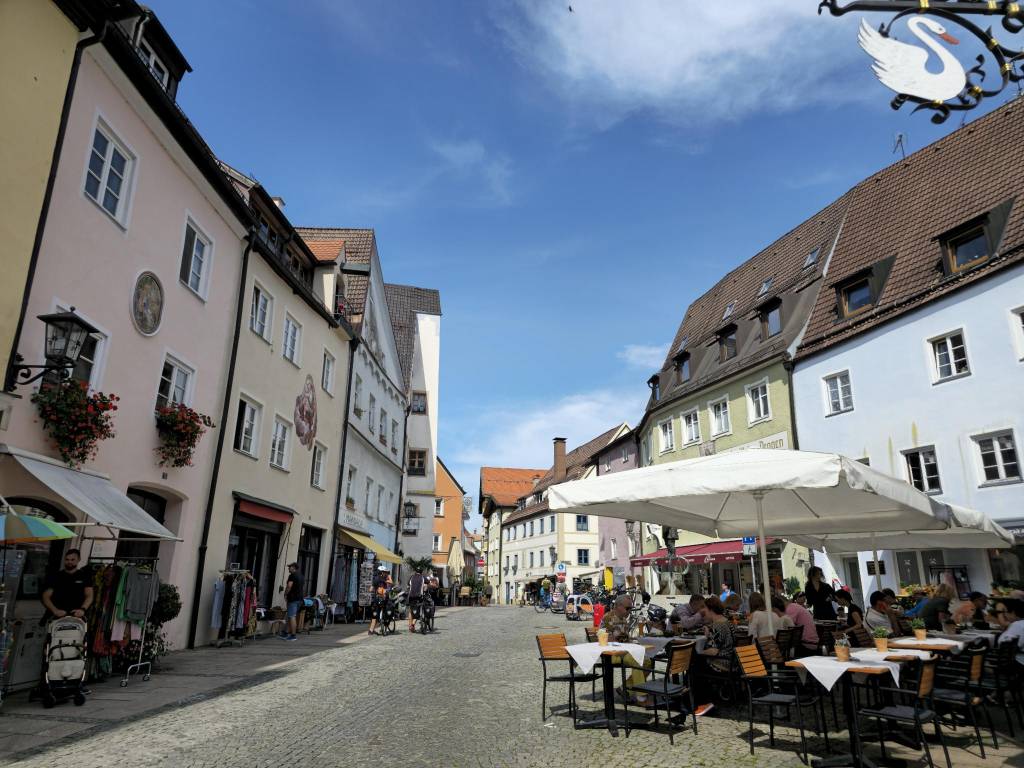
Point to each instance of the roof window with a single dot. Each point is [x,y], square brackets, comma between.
[765,287]
[728,310]
[812,258]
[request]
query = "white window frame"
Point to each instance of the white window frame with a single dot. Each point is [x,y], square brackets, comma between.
[613,545]
[669,445]
[983,482]
[436,544]
[268,327]
[328,372]
[394,436]
[585,560]
[371,412]
[366,499]
[752,417]
[714,422]
[937,377]
[316,470]
[178,363]
[916,452]
[286,450]
[552,523]
[357,394]
[380,501]
[1017,330]
[123,214]
[695,413]
[827,395]
[296,358]
[438,507]
[203,290]
[382,427]
[99,361]
[150,57]
[254,440]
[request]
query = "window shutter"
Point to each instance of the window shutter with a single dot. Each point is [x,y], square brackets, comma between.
[240,425]
[186,256]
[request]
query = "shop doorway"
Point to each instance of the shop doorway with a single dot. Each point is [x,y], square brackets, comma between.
[253,544]
[310,539]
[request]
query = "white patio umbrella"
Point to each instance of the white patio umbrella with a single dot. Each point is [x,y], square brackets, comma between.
[798,495]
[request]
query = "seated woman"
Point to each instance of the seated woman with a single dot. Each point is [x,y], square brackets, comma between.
[717,655]
[762,623]
[854,613]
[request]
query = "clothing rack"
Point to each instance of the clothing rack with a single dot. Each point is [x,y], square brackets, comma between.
[138,665]
[228,639]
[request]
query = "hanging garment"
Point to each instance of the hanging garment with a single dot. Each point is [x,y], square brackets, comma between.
[141,589]
[121,628]
[218,604]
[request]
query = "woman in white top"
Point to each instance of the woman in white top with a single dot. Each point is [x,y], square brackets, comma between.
[763,623]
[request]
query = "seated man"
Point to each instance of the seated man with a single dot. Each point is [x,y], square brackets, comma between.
[801,618]
[880,615]
[687,616]
[616,623]
[1011,615]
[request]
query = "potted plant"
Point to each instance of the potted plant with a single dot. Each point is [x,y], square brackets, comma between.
[920,631]
[350,503]
[75,419]
[180,429]
[881,635]
[842,648]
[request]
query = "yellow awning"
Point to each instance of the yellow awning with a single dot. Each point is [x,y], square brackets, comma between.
[364,541]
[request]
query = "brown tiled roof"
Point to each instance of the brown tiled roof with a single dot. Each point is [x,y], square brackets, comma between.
[359,245]
[505,485]
[791,283]
[326,250]
[404,302]
[904,210]
[576,463]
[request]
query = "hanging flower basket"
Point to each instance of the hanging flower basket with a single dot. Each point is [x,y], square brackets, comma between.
[180,429]
[74,419]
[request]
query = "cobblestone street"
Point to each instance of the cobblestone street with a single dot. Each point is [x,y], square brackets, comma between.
[468,695]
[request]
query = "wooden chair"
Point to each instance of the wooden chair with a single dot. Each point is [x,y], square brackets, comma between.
[674,684]
[914,706]
[859,637]
[591,634]
[784,640]
[778,688]
[552,651]
[770,652]
[958,692]
[903,628]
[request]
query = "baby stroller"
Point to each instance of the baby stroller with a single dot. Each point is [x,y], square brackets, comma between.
[64,661]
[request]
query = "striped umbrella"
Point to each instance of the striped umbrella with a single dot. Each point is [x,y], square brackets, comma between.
[15,529]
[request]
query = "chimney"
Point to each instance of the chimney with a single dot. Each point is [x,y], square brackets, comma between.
[559,459]
[279,202]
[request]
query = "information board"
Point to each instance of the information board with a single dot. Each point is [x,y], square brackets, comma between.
[13,563]
[366,582]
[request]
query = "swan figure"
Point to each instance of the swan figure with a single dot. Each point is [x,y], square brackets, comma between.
[901,67]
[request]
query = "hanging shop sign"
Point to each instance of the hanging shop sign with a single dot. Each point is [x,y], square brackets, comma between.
[922,68]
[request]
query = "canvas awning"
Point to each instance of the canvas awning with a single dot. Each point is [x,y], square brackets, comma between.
[90,494]
[365,542]
[730,551]
[456,562]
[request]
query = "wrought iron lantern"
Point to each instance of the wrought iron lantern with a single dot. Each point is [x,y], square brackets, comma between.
[66,334]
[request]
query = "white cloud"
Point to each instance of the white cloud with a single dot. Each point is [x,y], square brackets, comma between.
[648,356]
[520,434]
[471,159]
[689,62]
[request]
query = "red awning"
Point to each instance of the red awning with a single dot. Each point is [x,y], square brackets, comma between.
[730,551]
[264,512]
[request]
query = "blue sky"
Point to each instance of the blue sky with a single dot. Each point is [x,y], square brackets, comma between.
[569,181]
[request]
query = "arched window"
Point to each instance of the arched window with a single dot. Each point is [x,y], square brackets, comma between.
[148,548]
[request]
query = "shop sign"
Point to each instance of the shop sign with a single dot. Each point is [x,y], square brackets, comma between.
[922,68]
[355,522]
[779,440]
[881,568]
[749,546]
[365,582]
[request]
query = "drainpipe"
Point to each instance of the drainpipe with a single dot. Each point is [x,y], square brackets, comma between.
[197,590]
[44,210]
[788,367]
[353,344]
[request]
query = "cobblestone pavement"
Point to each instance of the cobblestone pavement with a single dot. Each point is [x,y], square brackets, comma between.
[468,695]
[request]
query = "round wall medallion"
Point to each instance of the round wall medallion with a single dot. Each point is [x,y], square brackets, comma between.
[147,303]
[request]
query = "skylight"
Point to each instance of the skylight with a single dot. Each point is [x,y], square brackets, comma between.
[812,258]
[765,286]
[729,309]
[682,344]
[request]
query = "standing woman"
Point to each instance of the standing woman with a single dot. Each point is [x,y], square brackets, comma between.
[819,595]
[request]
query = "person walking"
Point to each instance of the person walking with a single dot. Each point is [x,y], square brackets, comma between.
[819,595]
[381,584]
[417,585]
[293,599]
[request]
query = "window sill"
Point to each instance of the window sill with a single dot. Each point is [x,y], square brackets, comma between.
[716,435]
[261,337]
[1000,483]
[830,414]
[690,443]
[954,377]
[318,487]
[280,468]
[762,420]
[120,224]
[327,392]
[247,455]
[291,361]
[663,451]
[192,290]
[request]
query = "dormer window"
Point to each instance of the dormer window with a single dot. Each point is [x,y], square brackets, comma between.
[683,366]
[812,258]
[655,384]
[727,344]
[771,320]
[765,287]
[152,61]
[855,297]
[967,250]
[728,310]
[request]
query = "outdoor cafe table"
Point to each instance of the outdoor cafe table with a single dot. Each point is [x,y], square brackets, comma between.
[830,668]
[586,655]
[933,644]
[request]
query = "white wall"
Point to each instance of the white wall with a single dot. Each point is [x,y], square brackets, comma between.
[898,405]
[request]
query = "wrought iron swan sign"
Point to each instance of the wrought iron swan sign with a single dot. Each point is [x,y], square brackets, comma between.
[902,67]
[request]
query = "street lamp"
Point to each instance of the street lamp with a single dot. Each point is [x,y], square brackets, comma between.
[66,333]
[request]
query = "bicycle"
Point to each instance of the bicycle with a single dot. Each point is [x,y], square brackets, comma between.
[425,615]
[545,603]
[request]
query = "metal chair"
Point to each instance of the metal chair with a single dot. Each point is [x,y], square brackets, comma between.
[784,639]
[552,650]
[796,644]
[1004,681]
[771,653]
[674,684]
[859,637]
[958,691]
[778,688]
[918,713]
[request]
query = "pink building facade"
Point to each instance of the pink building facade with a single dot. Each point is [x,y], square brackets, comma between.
[616,546]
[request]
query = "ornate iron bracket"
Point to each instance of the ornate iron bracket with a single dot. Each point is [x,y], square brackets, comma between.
[953,11]
[22,374]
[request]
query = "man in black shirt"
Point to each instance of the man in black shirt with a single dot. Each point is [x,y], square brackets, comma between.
[416,587]
[293,599]
[69,591]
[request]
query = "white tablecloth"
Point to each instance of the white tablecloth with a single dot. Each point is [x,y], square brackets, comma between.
[586,655]
[955,645]
[871,654]
[827,669]
[658,643]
